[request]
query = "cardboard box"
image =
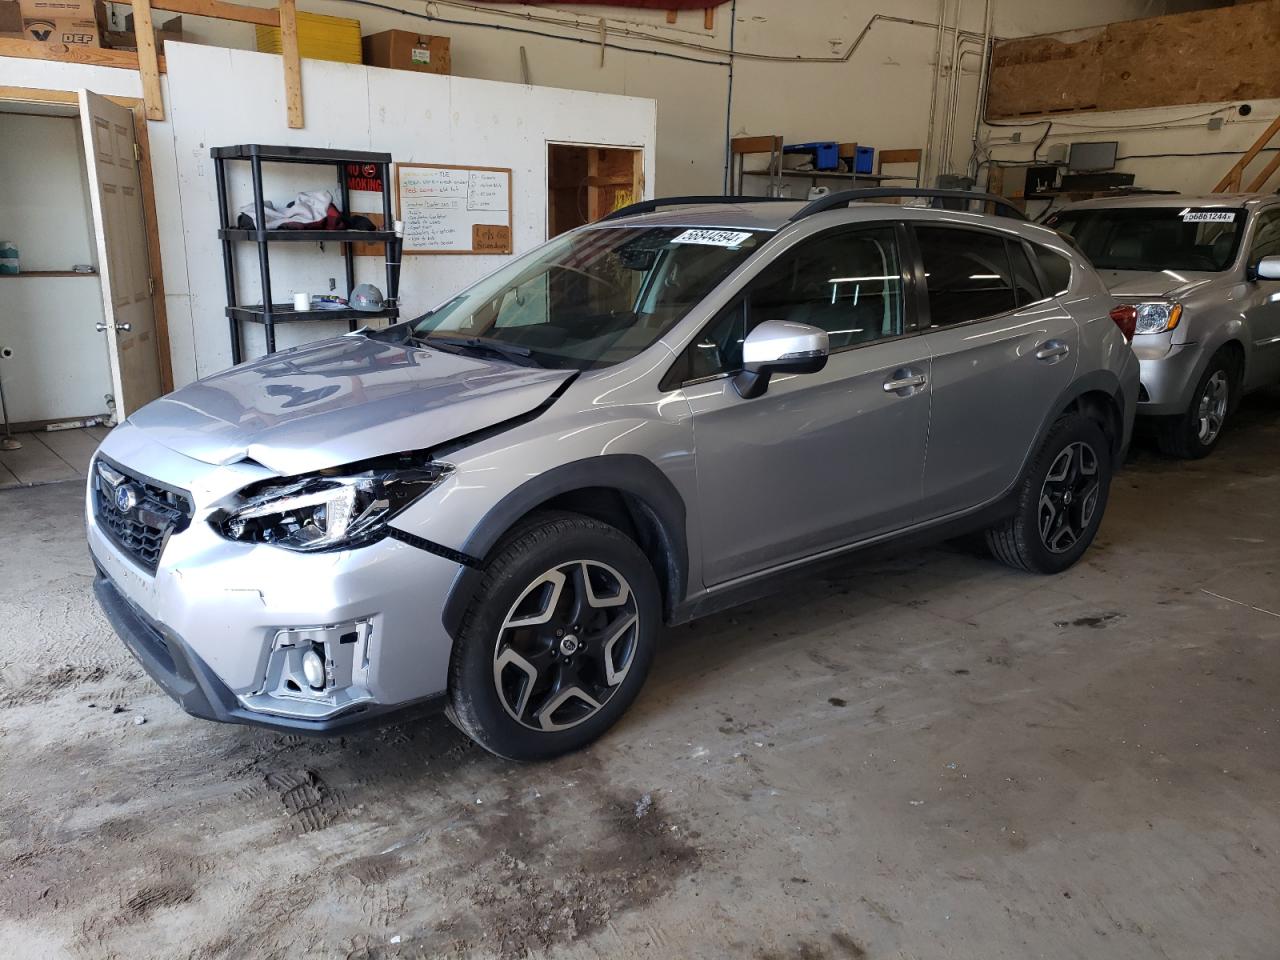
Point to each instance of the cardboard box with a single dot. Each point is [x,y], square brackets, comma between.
[402,50]
[11,20]
[68,22]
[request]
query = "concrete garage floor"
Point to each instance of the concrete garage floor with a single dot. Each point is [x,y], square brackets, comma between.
[923,757]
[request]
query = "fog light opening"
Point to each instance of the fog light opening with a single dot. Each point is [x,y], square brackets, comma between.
[313,669]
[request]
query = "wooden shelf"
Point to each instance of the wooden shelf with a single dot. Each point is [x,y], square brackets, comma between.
[309,236]
[49,273]
[826,175]
[285,313]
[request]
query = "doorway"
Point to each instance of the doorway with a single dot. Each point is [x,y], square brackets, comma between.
[83,336]
[586,182]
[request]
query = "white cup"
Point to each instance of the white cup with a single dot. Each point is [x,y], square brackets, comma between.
[301,301]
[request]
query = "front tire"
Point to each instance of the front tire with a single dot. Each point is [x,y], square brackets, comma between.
[1193,434]
[558,639]
[1061,500]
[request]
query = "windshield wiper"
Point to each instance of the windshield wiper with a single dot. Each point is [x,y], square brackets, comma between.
[508,351]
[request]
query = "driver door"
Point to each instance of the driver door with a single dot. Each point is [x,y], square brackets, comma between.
[820,460]
[1262,307]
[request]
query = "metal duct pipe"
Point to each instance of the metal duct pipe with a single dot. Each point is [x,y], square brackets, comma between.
[948,118]
[929,156]
[984,74]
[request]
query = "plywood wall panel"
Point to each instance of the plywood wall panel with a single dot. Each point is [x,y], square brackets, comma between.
[1206,56]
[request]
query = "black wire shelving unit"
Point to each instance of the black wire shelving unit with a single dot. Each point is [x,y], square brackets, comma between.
[268,313]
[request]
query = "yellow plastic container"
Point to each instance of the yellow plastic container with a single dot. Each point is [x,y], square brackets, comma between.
[319,38]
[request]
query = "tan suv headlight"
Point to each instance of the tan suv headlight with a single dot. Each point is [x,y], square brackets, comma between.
[1158,317]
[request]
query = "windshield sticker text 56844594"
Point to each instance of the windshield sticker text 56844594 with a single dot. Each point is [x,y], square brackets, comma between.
[713,238]
[1208,216]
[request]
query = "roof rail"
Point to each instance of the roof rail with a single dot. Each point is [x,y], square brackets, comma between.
[648,206]
[834,200]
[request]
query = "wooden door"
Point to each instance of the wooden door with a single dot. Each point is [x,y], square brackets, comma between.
[120,230]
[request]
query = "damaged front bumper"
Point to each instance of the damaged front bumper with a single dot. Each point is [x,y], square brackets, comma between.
[223,627]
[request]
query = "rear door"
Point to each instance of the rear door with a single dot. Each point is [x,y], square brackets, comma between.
[821,459]
[120,230]
[1002,353]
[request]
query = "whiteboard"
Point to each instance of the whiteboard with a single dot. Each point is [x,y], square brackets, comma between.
[453,209]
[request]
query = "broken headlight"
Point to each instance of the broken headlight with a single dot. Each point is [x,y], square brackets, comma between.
[325,512]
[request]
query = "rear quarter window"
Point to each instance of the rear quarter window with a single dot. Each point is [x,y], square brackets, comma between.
[1056,269]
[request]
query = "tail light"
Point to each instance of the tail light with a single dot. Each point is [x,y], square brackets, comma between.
[1126,318]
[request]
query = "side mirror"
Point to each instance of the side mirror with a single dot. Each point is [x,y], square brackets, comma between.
[779,346]
[1268,268]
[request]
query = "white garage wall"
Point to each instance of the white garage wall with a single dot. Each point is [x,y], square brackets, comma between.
[216,97]
[879,96]
[1166,148]
[415,117]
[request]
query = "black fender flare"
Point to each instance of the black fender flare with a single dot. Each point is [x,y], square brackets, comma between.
[647,487]
[1096,381]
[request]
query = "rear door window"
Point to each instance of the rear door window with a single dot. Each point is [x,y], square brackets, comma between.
[1055,268]
[1026,285]
[967,274]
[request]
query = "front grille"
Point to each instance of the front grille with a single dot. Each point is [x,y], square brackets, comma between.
[138,514]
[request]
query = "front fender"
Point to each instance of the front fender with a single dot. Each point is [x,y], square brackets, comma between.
[637,477]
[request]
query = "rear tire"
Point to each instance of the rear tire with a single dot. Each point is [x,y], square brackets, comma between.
[1061,499]
[558,640]
[1193,434]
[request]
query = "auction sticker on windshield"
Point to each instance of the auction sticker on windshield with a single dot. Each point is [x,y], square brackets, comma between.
[1208,216]
[713,238]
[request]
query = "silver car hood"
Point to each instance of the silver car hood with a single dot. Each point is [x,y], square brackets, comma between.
[1137,284]
[339,401]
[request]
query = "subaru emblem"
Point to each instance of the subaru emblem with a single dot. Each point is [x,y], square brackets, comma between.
[126,497]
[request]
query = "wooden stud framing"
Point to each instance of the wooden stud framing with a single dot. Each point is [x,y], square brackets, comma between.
[150,64]
[1236,174]
[292,65]
[1267,172]
[92,56]
[148,60]
[220,10]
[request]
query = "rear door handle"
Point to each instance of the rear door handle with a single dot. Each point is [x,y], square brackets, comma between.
[1052,350]
[904,380]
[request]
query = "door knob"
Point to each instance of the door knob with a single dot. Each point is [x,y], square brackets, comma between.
[100,327]
[122,327]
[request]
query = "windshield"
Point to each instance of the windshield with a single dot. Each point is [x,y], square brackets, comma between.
[1154,238]
[590,298]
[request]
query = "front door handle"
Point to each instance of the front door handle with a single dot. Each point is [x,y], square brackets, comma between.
[1051,351]
[904,380]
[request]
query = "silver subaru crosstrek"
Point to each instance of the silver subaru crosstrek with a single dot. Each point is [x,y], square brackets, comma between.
[1201,276]
[495,507]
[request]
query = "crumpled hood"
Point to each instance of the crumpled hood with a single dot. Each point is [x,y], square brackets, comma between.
[1138,284]
[339,401]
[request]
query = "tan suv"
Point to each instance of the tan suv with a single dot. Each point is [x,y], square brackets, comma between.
[1202,277]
